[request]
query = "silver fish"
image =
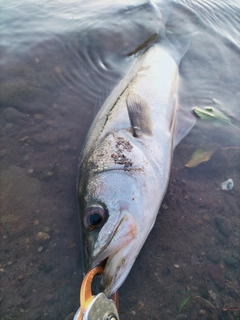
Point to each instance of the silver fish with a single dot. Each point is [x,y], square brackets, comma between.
[125,164]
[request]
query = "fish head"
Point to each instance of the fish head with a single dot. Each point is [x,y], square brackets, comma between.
[115,201]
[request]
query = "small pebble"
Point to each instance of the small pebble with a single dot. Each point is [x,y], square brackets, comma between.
[223,226]
[42,236]
[140,305]
[39,116]
[48,297]
[202,312]
[199,222]
[212,294]
[25,138]
[217,276]
[40,249]
[206,217]
[58,70]
[231,261]
[194,288]
[227,185]
[176,266]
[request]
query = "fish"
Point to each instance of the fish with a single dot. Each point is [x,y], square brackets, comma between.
[125,163]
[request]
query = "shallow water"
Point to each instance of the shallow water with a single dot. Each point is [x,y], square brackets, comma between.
[59,61]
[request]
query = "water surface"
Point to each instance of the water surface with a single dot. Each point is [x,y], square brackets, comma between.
[59,62]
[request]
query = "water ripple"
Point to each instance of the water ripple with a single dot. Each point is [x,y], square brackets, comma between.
[222,16]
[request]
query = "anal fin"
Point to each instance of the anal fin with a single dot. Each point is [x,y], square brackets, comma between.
[139,115]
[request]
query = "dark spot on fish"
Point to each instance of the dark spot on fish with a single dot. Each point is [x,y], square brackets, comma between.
[123,144]
[120,158]
[92,166]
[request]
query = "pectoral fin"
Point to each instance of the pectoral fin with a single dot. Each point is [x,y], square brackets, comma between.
[139,115]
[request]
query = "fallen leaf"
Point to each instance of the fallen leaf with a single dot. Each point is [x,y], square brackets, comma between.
[209,113]
[199,156]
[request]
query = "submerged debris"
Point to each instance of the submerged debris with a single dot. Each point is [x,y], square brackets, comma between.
[199,156]
[227,185]
[210,113]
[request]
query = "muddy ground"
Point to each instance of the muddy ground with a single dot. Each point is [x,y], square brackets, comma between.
[192,253]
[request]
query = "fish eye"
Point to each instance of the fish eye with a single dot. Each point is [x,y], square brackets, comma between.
[94,217]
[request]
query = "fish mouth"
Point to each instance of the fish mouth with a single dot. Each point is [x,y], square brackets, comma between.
[114,257]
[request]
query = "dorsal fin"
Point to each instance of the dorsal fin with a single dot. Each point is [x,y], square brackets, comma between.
[138,111]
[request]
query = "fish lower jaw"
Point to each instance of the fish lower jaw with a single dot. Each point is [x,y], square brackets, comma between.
[102,287]
[111,265]
[117,268]
[109,280]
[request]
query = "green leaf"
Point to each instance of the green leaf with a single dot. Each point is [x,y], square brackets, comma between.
[199,156]
[206,302]
[209,113]
[183,303]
